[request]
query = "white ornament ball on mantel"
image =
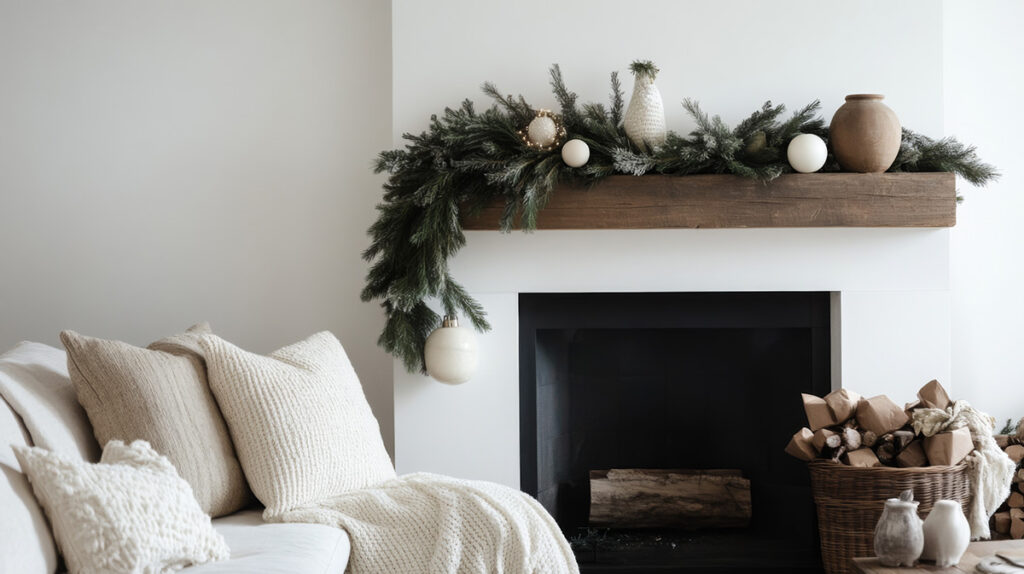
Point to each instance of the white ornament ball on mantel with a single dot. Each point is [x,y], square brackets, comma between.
[575,153]
[542,131]
[450,353]
[807,153]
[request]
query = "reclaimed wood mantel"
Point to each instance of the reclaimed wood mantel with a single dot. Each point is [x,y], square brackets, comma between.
[727,201]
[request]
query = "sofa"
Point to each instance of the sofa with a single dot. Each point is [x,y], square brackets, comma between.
[38,406]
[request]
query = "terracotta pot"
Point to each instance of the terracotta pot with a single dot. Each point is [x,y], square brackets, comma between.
[865,134]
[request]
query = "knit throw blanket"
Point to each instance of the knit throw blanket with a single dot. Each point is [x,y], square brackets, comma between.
[991,471]
[432,524]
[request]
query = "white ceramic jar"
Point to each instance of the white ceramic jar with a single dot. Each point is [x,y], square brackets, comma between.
[899,539]
[946,534]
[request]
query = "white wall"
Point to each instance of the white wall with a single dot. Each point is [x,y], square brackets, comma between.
[163,163]
[731,56]
[984,94]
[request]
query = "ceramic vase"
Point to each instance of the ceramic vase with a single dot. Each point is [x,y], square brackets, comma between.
[946,534]
[865,134]
[899,538]
[645,116]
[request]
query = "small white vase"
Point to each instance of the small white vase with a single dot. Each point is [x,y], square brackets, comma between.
[898,536]
[645,115]
[946,534]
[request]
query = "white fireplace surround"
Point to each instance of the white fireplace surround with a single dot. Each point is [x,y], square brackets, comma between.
[890,317]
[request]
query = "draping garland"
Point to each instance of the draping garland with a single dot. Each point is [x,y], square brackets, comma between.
[469,159]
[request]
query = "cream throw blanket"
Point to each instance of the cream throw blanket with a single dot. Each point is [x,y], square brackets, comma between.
[991,470]
[437,524]
[311,451]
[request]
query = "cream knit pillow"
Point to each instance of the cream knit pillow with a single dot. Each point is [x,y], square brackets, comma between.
[299,420]
[129,513]
[160,395]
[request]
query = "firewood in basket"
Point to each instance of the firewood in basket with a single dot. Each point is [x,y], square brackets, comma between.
[864,457]
[801,446]
[886,452]
[902,438]
[843,403]
[851,439]
[820,436]
[819,415]
[868,438]
[912,456]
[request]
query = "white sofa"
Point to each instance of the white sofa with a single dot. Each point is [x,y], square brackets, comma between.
[36,398]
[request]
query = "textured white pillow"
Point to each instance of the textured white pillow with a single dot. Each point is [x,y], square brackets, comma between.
[299,420]
[129,513]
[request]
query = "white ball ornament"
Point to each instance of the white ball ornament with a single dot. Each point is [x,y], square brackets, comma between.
[542,131]
[807,153]
[575,153]
[450,353]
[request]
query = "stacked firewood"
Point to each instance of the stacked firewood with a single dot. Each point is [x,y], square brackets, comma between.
[849,429]
[1009,520]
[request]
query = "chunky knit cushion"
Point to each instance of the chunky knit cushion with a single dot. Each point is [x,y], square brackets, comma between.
[299,420]
[160,395]
[129,513]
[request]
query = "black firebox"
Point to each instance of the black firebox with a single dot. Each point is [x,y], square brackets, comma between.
[673,381]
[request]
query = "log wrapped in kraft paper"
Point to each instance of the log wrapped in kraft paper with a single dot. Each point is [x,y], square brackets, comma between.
[819,415]
[863,457]
[820,436]
[843,403]
[802,446]
[948,448]
[933,396]
[913,455]
[880,415]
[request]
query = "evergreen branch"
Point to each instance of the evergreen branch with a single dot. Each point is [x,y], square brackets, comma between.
[617,100]
[642,68]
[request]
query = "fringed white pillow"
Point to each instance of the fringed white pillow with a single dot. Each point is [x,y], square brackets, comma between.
[129,513]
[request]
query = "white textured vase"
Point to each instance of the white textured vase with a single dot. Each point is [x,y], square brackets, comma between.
[898,535]
[645,116]
[946,534]
[450,353]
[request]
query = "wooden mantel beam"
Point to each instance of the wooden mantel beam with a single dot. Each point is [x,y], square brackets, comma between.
[726,201]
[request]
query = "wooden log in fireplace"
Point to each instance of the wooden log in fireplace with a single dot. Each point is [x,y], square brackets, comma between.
[669,498]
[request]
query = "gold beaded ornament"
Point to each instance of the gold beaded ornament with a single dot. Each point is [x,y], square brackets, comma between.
[544,133]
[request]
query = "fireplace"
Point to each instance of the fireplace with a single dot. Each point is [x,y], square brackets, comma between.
[673,381]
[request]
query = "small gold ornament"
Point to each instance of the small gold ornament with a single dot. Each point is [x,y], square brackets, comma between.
[544,133]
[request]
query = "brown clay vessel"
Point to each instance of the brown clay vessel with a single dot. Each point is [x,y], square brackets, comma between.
[865,134]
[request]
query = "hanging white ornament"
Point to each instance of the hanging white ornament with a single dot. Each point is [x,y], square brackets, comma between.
[645,115]
[450,353]
[807,153]
[544,132]
[575,153]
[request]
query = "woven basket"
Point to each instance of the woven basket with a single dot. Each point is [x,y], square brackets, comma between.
[850,501]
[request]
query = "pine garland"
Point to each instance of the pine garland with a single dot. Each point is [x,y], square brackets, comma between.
[469,159]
